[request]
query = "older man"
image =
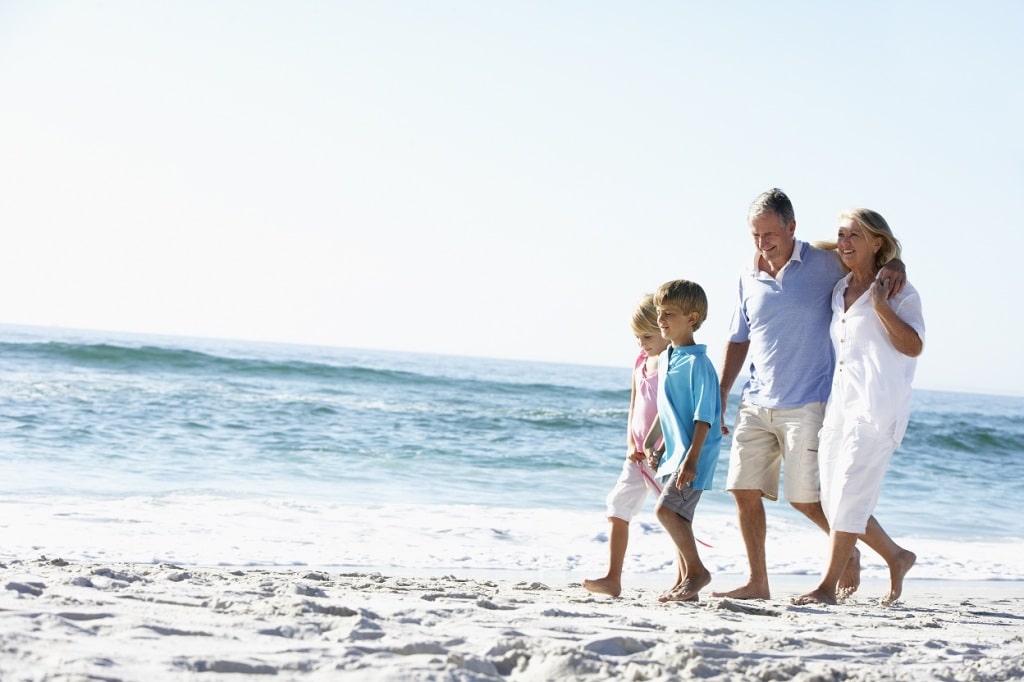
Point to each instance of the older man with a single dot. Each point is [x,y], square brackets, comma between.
[781,322]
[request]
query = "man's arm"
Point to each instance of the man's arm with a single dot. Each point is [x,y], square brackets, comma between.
[735,355]
[892,277]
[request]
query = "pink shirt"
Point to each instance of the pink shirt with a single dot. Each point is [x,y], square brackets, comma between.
[645,404]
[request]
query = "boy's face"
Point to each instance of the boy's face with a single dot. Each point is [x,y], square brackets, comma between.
[676,325]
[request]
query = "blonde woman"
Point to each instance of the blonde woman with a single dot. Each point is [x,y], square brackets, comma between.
[876,340]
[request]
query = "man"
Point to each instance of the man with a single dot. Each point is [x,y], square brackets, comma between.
[782,321]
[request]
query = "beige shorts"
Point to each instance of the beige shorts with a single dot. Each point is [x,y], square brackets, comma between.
[766,441]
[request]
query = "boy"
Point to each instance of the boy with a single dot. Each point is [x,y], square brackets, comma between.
[689,411]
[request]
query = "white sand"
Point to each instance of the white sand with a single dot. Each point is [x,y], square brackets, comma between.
[115,621]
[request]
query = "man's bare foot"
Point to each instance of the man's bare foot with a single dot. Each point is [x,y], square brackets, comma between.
[849,581]
[904,562]
[606,585]
[818,596]
[748,591]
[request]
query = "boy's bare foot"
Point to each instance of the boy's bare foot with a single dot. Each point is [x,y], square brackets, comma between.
[849,581]
[690,589]
[667,594]
[817,596]
[606,585]
[748,591]
[677,595]
[897,572]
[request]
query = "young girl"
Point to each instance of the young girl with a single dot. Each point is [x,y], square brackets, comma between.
[637,477]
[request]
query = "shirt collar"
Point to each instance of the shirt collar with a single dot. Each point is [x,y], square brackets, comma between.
[799,248]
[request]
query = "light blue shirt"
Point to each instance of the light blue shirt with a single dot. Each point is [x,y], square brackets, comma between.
[688,392]
[786,319]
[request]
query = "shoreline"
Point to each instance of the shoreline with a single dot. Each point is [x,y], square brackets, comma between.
[128,621]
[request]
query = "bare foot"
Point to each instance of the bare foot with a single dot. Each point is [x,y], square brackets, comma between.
[849,581]
[748,591]
[691,587]
[667,594]
[677,595]
[904,562]
[604,585]
[818,596]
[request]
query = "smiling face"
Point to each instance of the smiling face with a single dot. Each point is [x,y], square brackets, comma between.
[773,239]
[857,247]
[676,324]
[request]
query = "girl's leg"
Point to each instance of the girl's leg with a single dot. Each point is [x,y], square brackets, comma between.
[611,583]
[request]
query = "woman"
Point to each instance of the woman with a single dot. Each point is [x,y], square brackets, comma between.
[875,341]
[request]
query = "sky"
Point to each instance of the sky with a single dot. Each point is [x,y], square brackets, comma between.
[502,178]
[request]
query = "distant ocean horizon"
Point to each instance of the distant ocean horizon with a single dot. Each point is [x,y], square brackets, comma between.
[166,449]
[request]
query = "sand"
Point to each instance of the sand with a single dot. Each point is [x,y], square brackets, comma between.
[116,621]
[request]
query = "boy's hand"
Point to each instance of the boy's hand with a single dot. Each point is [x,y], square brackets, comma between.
[687,473]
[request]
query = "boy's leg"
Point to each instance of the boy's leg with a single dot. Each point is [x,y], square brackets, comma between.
[675,509]
[695,575]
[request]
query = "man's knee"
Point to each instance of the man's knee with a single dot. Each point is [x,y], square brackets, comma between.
[746,498]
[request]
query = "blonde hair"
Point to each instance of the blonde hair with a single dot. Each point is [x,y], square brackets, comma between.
[876,226]
[645,316]
[686,295]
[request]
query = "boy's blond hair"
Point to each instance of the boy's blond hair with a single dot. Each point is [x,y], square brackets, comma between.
[645,317]
[686,295]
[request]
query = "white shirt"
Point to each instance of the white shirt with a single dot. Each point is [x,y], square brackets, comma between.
[871,381]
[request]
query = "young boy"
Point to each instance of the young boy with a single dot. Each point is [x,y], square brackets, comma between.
[689,416]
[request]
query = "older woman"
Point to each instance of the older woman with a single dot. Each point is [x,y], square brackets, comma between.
[876,341]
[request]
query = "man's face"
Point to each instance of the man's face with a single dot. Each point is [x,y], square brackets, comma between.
[773,239]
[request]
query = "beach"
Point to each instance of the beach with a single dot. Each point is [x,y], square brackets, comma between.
[196,510]
[63,620]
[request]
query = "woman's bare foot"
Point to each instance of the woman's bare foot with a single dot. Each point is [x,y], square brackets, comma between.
[849,581]
[821,595]
[748,591]
[605,585]
[898,571]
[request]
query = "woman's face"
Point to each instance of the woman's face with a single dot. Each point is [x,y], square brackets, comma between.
[857,248]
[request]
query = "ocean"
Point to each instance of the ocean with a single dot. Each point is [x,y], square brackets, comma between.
[121,447]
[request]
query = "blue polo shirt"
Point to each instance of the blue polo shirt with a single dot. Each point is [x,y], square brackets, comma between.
[688,392]
[786,321]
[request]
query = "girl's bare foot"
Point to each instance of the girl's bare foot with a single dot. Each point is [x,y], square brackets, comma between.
[605,585]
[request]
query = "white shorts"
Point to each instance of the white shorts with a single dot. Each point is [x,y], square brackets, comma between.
[764,438]
[627,497]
